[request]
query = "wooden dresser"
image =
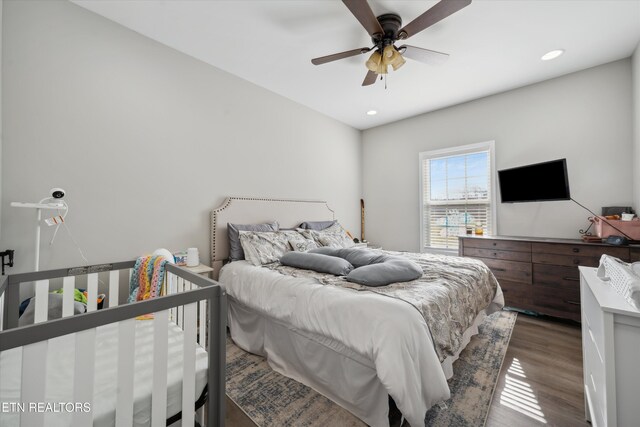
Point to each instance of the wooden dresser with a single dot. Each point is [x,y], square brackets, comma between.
[541,274]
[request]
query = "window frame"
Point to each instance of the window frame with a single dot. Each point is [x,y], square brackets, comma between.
[450,152]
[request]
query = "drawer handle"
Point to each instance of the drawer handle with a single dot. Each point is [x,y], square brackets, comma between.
[495,254]
[494,243]
[576,261]
[571,279]
[499,269]
[572,302]
[576,250]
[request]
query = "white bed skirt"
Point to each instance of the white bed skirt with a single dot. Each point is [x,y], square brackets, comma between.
[327,366]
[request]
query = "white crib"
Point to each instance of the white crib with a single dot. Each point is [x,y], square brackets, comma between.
[191,314]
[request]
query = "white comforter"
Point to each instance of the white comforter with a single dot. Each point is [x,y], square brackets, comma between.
[389,332]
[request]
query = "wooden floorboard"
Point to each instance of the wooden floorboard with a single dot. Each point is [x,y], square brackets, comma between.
[540,382]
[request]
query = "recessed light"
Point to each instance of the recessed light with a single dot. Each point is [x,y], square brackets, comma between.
[552,54]
[372,113]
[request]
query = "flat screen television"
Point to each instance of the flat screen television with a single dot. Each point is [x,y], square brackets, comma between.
[535,183]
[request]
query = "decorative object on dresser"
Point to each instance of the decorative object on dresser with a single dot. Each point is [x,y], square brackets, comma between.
[540,274]
[610,343]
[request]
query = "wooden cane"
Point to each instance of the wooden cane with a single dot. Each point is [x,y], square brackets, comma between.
[362,220]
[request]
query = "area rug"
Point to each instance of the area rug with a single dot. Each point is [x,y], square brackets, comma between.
[270,399]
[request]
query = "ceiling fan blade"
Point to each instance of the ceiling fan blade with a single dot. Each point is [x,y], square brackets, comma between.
[370,78]
[436,14]
[341,55]
[363,13]
[427,56]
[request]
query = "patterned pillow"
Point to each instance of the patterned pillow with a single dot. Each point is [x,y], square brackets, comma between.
[333,236]
[298,242]
[263,247]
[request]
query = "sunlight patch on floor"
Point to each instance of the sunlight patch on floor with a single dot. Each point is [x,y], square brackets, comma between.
[518,395]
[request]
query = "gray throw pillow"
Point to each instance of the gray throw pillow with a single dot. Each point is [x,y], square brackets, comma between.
[392,270]
[356,256]
[235,248]
[317,262]
[317,225]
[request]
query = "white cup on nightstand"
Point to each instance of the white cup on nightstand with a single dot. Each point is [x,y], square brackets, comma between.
[193,259]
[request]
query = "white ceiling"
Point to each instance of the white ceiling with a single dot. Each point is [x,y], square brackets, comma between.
[495,45]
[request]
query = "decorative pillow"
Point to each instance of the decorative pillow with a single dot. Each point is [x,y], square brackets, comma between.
[333,236]
[317,225]
[317,262]
[235,248]
[298,242]
[391,270]
[374,268]
[356,256]
[263,247]
[336,240]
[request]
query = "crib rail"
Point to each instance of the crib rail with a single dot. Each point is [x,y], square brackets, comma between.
[198,307]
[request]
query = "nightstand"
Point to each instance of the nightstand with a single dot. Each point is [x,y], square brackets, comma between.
[200,269]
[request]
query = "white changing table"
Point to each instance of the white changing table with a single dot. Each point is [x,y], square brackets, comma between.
[611,354]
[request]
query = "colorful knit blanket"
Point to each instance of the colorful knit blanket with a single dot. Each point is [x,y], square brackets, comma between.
[147,278]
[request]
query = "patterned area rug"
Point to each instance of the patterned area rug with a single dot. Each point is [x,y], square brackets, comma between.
[271,399]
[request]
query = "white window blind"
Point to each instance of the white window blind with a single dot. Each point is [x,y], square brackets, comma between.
[456,194]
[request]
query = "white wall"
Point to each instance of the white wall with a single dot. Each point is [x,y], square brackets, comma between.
[147,140]
[636,127]
[1,6]
[584,116]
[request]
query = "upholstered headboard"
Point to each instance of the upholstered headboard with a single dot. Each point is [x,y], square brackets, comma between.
[251,210]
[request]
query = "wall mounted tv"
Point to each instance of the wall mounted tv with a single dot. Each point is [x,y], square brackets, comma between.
[535,183]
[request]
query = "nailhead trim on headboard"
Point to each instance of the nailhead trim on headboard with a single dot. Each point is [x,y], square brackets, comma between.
[229,200]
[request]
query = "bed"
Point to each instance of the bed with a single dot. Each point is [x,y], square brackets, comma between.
[116,365]
[355,346]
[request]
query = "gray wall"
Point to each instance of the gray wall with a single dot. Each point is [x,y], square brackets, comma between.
[585,117]
[147,140]
[636,128]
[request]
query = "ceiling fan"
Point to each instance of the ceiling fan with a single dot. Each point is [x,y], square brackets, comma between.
[386,29]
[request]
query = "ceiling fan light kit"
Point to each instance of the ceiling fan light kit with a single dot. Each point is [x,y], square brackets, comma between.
[386,29]
[374,62]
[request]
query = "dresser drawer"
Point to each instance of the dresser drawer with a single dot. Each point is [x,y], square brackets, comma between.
[635,254]
[593,321]
[579,250]
[517,294]
[557,276]
[498,254]
[509,270]
[595,401]
[595,379]
[557,301]
[567,260]
[503,245]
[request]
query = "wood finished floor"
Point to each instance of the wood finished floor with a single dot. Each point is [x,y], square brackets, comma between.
[540,382]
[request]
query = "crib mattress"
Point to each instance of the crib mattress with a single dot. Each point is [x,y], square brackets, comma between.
[61,362]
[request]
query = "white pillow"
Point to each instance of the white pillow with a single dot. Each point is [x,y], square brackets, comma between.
[263,247]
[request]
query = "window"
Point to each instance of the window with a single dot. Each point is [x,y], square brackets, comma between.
[456,192]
